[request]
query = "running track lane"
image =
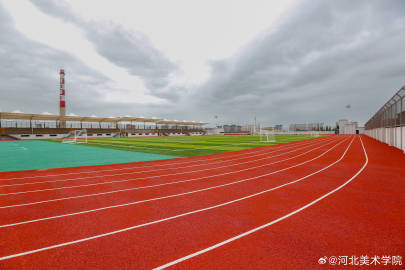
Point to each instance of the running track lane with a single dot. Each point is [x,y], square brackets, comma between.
[233,213]
[46,209]
[366,217]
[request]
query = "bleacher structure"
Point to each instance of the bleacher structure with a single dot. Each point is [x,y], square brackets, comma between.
[47,126]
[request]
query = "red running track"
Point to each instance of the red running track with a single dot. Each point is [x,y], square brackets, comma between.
[274,207]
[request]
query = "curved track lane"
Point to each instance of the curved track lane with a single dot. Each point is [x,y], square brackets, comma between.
[170,230]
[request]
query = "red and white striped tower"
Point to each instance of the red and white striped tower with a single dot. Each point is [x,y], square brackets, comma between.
[62,101]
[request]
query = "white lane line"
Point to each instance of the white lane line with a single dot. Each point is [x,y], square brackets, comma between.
[267,224]
[155,170]
[169,218]
[170,163]
[158,176]
[136,188]
[169,196]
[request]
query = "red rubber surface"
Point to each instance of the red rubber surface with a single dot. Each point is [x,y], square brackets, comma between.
[366,216]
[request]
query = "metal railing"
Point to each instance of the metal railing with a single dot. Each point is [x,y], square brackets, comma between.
[388,123]
[391,114]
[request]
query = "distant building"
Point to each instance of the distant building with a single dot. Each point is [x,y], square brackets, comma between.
[278,128]
[232,129]
[251,128]
[349,127]
[306,127]
[269,128]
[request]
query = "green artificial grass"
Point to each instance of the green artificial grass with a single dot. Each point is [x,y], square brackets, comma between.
[188,145]
[30,155]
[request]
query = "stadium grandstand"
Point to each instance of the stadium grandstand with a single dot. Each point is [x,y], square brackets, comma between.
[16,125]
[19,125]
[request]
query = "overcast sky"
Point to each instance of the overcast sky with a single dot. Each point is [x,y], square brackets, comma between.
[281,61]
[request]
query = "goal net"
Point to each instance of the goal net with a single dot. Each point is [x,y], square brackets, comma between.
[267,136]
[77,136]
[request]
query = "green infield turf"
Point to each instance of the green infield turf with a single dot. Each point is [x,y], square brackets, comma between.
[189,145]
[30,155]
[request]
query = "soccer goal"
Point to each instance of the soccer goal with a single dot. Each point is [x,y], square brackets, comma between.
[77,136]
[267,136]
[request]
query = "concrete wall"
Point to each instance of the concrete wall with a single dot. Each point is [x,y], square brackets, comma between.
[392,136]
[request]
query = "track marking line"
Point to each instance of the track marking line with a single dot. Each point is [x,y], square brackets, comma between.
[271,222]
[166,219]
[158,176]
[170,163]
[155,170]
[174,195]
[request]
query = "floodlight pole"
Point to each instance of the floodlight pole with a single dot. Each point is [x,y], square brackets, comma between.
[254,129]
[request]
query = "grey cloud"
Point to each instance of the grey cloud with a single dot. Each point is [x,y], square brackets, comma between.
[125,48]
[133,51]
[324,54]
[29,75]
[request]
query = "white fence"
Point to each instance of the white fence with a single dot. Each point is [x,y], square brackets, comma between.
[388,124]
[392,136]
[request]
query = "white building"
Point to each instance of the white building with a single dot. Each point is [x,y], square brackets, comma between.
[349,127]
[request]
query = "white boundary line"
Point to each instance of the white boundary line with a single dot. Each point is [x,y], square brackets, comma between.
[166,219]
[270,223]
[170,163]
[158,176]
[155,170]
[172,196]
